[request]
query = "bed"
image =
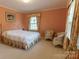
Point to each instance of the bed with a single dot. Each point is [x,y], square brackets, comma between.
[20,38]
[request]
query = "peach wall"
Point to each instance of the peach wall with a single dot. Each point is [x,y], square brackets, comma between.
[17,24]
[25,21]
[54,20]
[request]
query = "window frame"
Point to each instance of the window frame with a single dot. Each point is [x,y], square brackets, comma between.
[33,23]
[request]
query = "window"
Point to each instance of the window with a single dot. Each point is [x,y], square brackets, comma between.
[33,23]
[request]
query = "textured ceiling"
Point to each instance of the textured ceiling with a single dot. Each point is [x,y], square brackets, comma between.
[33,5]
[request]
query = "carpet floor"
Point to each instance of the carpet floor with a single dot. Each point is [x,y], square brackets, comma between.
[42,50]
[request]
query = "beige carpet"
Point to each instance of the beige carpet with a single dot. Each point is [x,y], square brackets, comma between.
[42,50]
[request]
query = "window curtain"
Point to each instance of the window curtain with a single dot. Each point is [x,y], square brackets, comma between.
[38,15]
[75,28]
[74,31]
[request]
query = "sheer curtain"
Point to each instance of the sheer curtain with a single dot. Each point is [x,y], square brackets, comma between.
[70,19]
[34,22]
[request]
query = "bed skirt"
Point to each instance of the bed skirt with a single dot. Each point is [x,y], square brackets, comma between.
[14,43]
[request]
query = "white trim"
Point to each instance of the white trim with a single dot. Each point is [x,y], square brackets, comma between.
[9,8]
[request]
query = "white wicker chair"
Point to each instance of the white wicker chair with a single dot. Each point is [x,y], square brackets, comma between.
[49,34]
[58,40]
